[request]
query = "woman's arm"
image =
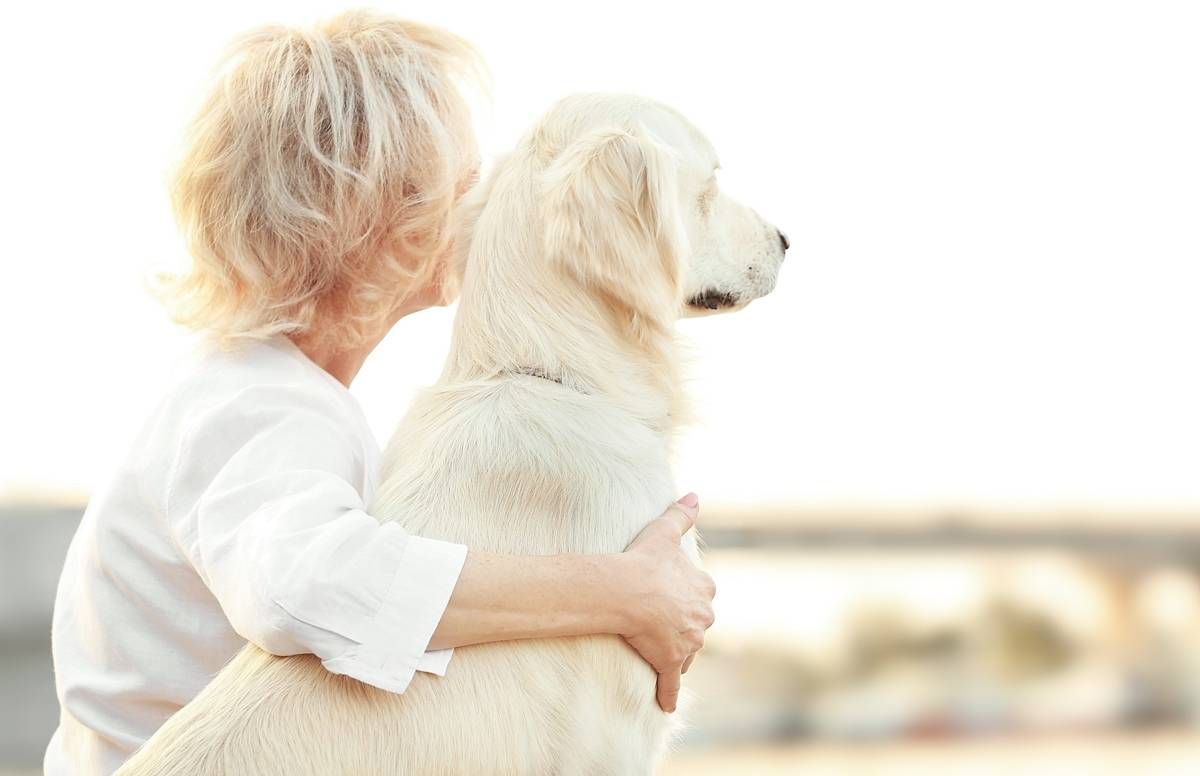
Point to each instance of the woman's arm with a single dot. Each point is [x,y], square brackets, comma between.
[261,504]
[652,594]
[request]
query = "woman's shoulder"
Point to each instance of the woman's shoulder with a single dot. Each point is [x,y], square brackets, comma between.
[263,401]
[260,379]
[237,416]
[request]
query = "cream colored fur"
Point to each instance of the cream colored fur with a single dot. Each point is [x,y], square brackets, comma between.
[584,245]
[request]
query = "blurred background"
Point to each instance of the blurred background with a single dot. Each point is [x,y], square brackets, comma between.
[948,469]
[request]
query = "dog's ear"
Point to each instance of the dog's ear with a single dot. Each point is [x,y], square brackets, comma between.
[612,221]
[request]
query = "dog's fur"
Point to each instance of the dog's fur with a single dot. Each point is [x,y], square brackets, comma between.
[548,432]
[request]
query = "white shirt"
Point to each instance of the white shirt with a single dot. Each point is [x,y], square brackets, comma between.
[239,515]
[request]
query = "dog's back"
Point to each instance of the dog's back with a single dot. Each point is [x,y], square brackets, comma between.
[520,465]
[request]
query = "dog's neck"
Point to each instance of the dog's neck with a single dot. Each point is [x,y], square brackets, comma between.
[583,343]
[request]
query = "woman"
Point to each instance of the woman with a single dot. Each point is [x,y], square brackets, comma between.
[316,196]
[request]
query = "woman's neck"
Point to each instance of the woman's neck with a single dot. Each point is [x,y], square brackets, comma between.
[343,363]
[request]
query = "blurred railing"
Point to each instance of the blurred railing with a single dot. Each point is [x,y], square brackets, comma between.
[1150,545]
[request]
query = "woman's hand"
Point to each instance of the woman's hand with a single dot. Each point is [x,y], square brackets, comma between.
[670,598]
[651,594]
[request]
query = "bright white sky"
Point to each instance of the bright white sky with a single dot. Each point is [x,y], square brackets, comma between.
[994,210]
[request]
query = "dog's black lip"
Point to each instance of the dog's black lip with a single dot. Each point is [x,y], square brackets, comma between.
[713,300]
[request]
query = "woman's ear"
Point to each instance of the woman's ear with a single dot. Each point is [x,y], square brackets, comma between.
[612,220]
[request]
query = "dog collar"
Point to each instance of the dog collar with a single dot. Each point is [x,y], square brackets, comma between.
[531,372]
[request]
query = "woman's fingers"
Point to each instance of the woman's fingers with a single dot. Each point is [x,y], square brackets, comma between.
[668,689]
[687,663]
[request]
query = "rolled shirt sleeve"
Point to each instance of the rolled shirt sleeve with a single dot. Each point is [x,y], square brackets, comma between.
[266,502]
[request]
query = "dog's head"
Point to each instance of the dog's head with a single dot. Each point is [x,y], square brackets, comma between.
[623,193]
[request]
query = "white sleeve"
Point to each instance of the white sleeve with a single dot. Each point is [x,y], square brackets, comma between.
[262,502]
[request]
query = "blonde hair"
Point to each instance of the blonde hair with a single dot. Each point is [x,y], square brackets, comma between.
[320,176]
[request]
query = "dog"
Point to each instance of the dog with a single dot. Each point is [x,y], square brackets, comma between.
[548,431]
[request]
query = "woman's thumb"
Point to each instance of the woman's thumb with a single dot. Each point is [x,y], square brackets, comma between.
[682,514]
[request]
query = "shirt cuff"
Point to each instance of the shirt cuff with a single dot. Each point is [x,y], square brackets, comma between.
[395,645]
[435,661]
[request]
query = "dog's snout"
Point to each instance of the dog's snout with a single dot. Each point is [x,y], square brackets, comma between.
[783,240]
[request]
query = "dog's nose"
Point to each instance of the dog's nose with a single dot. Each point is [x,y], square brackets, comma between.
[783,240]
